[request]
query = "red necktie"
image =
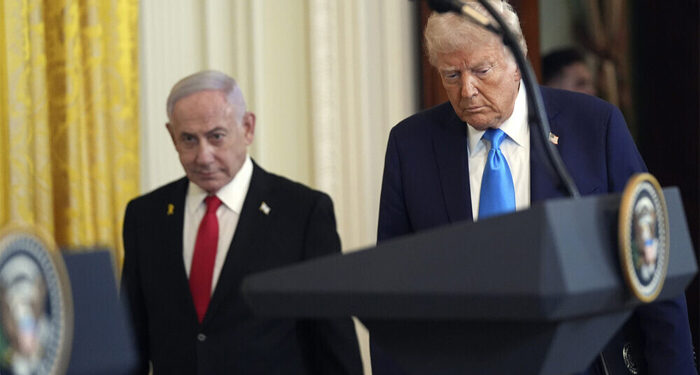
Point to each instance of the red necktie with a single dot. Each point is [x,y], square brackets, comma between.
[204,255]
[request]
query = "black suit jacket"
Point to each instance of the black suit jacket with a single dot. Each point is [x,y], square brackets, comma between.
[230,340]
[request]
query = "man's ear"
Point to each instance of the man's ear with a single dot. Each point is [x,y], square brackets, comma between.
[517,74]
[249,127]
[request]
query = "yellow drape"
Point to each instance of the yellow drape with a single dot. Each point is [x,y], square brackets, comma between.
[69,113]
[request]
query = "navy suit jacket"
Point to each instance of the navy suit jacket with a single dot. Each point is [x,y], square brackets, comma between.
[426,185]
[230,339]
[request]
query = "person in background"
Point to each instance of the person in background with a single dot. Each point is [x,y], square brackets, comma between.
[472,157]
[566,69]
[189,244]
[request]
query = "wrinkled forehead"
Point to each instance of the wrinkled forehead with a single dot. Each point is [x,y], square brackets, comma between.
[203,104]
[473,42]
[463,36]
[473,54]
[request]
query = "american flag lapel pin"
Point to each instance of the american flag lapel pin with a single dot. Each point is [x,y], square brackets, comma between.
[264,208]
[553,138]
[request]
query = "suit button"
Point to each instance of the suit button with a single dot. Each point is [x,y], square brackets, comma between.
[201,337]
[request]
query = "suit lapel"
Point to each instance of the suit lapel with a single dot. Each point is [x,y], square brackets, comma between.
[252,225]
[173,264]
[450,147]
[543,182]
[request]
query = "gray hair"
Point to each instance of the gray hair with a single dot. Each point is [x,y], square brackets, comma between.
[449,32]
[204,81]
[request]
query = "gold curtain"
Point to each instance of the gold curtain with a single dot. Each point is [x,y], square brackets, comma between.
[69,112]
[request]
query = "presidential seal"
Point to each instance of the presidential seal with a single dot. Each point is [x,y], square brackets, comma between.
[643,236]
[36,308]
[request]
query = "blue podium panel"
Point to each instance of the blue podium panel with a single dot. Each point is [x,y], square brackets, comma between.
[102,340]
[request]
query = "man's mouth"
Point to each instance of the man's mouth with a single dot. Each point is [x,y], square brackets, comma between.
[206,174]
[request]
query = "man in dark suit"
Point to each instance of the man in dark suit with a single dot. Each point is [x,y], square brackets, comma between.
[189,244]
[439,162]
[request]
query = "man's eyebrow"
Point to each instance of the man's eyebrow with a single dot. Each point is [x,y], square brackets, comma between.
[448,69]
[186,134]
[216,129]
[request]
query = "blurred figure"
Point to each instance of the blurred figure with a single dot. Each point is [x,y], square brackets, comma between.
[566,69]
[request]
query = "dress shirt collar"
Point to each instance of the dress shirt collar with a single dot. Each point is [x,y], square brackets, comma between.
[232,194]
[515,126]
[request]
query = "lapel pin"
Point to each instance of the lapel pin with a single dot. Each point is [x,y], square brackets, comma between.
[553,138]
[265,208]
[171,209]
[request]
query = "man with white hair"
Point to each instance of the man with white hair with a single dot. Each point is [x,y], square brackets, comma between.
[189,244]
[472,157]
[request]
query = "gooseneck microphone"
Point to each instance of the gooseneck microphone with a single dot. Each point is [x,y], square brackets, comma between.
[536,112]
[456,6]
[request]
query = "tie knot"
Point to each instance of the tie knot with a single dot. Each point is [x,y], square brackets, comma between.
[213,202]
[495,136]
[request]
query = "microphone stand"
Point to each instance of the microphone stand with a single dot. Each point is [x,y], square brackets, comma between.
[536,112]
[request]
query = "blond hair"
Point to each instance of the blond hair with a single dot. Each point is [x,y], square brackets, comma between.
[449,32]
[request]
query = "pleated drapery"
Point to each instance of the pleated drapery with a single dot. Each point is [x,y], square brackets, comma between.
[69,141]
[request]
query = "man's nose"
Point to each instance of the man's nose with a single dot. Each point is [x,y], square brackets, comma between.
[205,153]
[469,89]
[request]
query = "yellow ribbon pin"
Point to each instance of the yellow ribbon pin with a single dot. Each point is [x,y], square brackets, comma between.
[265,208]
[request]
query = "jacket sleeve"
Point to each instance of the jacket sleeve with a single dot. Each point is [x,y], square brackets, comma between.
[131,294]
[623,158]
[664,324]
[330,345]
[393,217]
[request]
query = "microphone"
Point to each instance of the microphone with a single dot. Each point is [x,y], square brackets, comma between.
[444,6]
[536,112]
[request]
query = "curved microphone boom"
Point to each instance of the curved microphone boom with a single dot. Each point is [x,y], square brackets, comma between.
[456,6]
[536,112]
[444,6]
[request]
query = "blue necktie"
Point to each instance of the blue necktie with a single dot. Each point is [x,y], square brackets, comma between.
[497,191]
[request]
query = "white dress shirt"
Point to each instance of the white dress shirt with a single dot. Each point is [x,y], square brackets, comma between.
[232,196]
[515,148]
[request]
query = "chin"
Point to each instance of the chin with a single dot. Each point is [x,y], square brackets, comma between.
[208,185]
[481,123]
[212,188]
[477,125]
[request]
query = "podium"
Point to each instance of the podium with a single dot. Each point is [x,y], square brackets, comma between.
[102,340]
[537,291]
